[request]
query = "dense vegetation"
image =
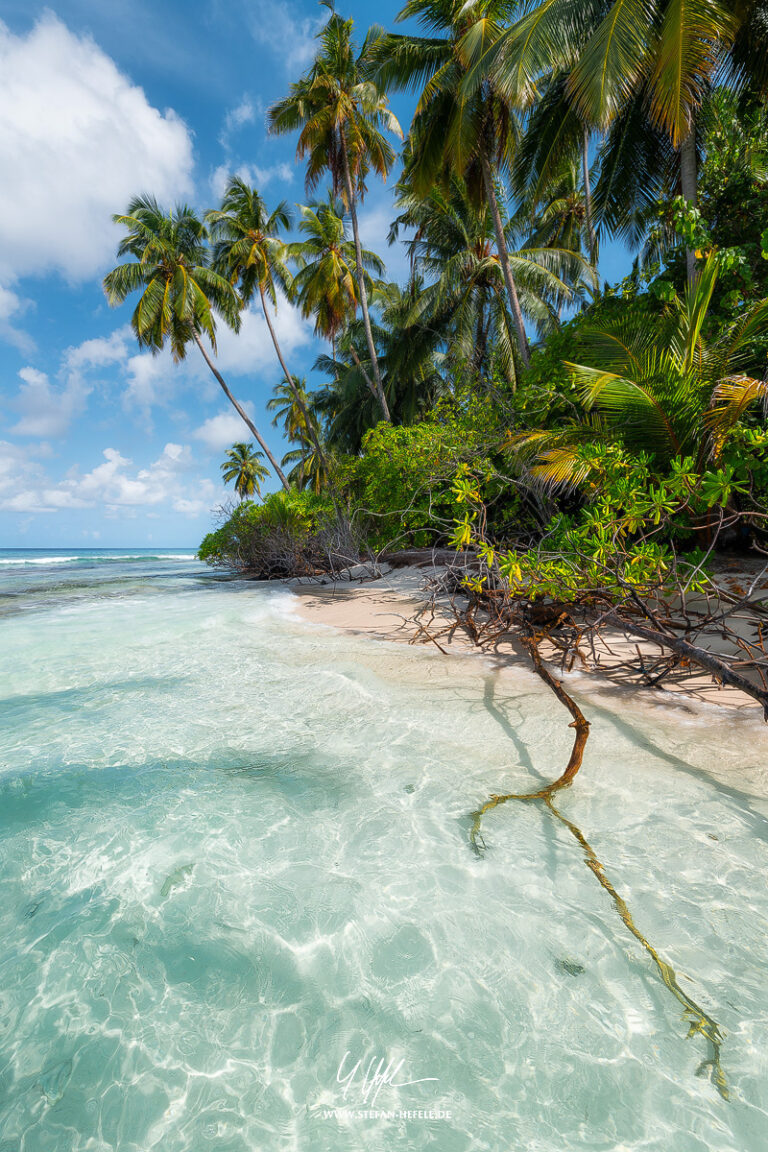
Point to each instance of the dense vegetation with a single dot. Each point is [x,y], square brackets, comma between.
[502,399]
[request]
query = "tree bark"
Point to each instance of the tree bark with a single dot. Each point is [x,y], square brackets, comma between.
[705,659]
[311,432]
[366,377]
[689,188]
[241,412]
[361,282]
[588,196]
[490,191]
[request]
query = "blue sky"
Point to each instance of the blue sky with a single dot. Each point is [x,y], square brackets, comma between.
[101,444]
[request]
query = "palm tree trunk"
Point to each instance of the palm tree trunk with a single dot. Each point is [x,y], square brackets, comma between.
[501,244]
[481,341]
[689,188]
[241,411]
[308,423]
[361,281]
[588,195]
[365,375]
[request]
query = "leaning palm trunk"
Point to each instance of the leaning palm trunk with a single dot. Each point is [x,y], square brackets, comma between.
[361,283]
[309,424]
[363,373]
[241,411]
[490,191]
[688,186]
[588,196]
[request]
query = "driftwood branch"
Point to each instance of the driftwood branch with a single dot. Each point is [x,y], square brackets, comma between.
[697,655]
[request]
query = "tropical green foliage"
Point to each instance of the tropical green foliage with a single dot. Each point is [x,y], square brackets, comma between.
[243,467]
[281,537]
[659,388]
[499,398]
[402,483]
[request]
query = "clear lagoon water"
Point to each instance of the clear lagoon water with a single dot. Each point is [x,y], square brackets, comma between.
[235,861]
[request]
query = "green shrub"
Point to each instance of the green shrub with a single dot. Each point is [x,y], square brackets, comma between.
[401,485]
[291,533]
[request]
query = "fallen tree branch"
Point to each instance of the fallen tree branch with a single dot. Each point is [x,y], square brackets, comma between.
[700,656]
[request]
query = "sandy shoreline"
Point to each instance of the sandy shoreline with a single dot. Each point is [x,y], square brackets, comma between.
[389,608]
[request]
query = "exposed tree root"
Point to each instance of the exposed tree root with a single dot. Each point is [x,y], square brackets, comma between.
[699,1021]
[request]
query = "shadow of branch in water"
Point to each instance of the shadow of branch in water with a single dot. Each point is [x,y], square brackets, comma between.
[699,1021]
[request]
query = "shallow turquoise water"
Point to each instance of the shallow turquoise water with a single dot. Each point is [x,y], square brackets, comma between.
[234,848]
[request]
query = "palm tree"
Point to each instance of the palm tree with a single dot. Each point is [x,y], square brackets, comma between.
[309,467]
[456,132]
[325,285]
[248,250]
[180,293]
[557,215]
[412,351]
[308,470]
[453,247]
[244,466]
[659,388]
[409,347]
[346,404]
[628,62]
[340,112]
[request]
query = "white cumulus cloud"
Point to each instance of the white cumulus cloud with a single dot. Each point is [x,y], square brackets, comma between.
[115,485]
[224,430]
[77,140]
[251,349]
[12,306]
[47,411]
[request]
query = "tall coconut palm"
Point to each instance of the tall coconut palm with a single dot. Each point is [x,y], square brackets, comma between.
[559,217]
[325,285]
[286,411]
[454,132]
[553,147]
[181,294]
[452,246]
[249,250]
[341,114]
[659,56]
[309,467]
[244,466]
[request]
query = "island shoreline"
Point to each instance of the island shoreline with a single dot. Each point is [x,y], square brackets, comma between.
[389,608]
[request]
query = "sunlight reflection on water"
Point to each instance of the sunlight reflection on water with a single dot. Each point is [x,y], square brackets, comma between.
[235,847]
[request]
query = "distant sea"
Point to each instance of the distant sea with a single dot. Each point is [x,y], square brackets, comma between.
[87,557]
[31,576]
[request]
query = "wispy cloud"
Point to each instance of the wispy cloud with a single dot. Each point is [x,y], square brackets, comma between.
[253,174]
[282,27]
[246,112]
[46,409]
[12,307]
